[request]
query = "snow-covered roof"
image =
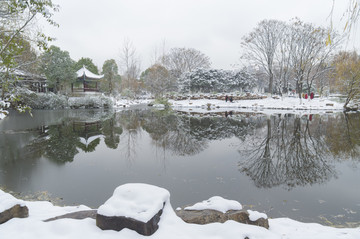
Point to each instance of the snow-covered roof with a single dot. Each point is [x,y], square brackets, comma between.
[83,71]
[22,74]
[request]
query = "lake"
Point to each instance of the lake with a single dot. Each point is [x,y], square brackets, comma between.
[305,167]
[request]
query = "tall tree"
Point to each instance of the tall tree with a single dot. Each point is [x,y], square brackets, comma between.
[183,60]
[15,23]
[347,75]
[309,53]
[58,68]
[16,18]
[261,44]
[158,80]
[88,63]
[111,76]
[130,66]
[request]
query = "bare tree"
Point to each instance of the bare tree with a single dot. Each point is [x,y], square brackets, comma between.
[130,66]
[261,44]
[295,53]
[309,53]
[158,55]
[183,60]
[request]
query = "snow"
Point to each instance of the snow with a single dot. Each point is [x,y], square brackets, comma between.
[135,200]
[83,71]
[254,215]
[170,226]
[287,103]
[216,203]
[7,201]
[119,103]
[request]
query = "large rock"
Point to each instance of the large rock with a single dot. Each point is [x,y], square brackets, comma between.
[134,206]
[119,222]
[210,216]
[10,207]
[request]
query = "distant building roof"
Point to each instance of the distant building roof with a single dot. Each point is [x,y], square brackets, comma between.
[88,74]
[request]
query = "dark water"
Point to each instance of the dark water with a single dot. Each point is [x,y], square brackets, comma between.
[302,167]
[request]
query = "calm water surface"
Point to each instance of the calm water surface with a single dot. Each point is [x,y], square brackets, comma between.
[302,167]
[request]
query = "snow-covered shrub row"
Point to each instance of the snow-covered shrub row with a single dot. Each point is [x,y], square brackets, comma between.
[40,100]
[215,80]
[54,101]
[90,102]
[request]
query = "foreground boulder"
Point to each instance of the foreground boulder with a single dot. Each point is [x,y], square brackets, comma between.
[134,206]
[10,207]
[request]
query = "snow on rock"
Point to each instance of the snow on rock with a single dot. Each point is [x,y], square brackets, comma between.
[254,215]
[216,203]
[7,201]
[11,207]
[135,200]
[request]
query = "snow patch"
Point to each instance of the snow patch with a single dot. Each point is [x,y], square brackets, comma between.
[254,215]
[216,203]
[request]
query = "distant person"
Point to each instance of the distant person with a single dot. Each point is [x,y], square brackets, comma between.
[311,95]
[226,98]
[231,99]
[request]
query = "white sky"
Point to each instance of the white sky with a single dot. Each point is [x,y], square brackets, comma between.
[97,29]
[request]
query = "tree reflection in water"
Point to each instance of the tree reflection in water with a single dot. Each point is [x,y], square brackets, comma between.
[60,143]
[278,150]
[292,152]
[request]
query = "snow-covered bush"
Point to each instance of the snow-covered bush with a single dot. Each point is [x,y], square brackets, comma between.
[210,80]
[128,93]
[25,97]
[90,102]
[40,100]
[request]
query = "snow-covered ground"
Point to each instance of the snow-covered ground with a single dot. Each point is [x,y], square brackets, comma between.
[170,226]
[289,104]
[270,105]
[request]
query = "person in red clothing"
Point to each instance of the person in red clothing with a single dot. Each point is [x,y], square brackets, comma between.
[312,95]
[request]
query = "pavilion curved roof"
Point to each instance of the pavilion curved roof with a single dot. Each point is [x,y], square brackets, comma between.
[88,74]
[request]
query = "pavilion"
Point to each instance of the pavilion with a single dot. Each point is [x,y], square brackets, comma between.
[86,81]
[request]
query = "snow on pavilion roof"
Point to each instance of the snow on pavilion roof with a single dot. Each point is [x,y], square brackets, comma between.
[83,71]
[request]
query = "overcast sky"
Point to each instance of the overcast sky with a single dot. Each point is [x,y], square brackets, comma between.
[97,29]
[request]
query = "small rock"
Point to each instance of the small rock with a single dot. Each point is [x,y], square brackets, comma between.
[75,215]
[15,211]
[210,216]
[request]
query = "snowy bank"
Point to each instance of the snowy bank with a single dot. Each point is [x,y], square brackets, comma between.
[281,104]
[170,226]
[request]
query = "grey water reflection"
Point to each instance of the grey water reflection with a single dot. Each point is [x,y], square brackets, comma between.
[294,151]
[203,155]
